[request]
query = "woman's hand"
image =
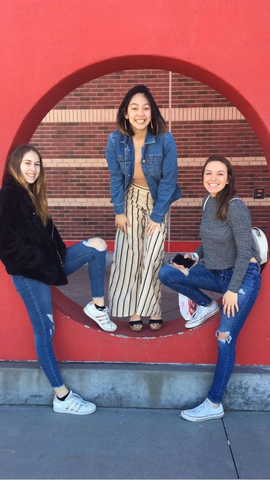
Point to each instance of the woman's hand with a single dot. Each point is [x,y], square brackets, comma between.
[230,303]
[184,269]
[151,227]
[122,222]
[180,267]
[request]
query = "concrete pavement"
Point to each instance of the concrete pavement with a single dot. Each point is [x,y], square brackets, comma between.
[121,443]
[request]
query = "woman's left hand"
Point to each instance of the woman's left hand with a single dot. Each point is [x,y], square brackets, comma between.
[230,303]
[151,227]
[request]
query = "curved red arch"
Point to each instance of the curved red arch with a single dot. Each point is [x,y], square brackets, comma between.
[51,97]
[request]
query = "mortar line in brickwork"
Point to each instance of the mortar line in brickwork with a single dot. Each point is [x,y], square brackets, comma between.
[182,162]
[105,202]
[190,114]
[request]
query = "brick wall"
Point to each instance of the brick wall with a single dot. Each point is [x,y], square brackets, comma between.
[73,136]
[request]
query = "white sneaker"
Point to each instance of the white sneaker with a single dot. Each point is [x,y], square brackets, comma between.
[73,404]
[203,412]
[101,317]
[202,314]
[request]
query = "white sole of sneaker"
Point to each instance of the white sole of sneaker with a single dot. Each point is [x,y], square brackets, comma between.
[191,324]
[201,419]
[72,412]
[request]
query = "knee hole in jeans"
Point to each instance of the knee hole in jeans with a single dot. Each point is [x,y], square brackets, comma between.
[97,243]
[50,317]
[223,336]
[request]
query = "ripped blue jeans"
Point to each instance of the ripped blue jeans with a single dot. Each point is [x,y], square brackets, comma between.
[217,281]
[37,299]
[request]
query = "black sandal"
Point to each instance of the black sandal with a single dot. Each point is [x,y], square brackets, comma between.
[136,323]
[155,324]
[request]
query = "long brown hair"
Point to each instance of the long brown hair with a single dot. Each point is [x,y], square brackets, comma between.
[223,198]
[37,191]
[157,124]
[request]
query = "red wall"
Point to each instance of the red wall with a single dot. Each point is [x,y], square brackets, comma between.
[48,50]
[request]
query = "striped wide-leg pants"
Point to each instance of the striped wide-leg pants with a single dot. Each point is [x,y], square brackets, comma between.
[134,286]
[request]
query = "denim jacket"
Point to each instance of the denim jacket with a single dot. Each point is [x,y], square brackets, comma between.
[159,166]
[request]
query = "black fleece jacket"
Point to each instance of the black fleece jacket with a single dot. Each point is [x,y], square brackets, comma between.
[27,247]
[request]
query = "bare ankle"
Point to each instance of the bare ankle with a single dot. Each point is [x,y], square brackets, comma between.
[134,317]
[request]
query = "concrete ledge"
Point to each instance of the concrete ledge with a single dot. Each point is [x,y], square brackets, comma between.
[136,385]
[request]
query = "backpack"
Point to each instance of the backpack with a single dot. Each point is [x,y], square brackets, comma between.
[260,241]
[261,244]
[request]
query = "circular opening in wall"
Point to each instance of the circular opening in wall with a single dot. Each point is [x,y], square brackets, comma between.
[72,139]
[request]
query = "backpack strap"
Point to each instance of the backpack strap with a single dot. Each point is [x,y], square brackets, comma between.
[205,202]
[236,198]
[207,198]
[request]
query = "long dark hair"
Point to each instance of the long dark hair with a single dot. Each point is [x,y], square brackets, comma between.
[157,124]
[223,198]
[37,190]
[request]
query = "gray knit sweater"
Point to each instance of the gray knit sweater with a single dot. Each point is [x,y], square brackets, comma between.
[227,243]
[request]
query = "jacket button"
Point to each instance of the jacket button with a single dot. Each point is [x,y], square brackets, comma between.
[143,161]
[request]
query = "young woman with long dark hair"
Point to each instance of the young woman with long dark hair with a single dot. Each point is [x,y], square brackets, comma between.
[231,266]
[142,161]
[36,257]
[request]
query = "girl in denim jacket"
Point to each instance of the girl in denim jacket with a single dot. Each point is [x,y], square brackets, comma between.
[142,161]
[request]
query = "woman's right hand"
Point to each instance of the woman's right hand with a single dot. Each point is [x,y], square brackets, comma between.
[122,222]
[180,267]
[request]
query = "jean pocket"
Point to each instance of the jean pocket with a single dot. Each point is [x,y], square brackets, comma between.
[226,275]
[154,164]
[125,164]
[253,269]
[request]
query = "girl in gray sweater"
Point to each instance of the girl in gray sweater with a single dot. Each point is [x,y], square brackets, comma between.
[230,265]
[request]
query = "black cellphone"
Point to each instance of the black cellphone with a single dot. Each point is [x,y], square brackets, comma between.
[179,259]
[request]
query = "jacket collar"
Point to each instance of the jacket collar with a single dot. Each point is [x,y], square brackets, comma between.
[126,139]
[17,187]
[11,182]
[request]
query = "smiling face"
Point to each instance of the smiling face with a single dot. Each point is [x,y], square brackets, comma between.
[215,177]
[30,167]
[139,113]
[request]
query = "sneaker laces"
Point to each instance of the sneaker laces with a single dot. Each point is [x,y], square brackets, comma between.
[75,402]
[198,311]
[77,397]
[202,406]
[103,315]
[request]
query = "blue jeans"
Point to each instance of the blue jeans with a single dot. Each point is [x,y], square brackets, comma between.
[37,299]
[217,281]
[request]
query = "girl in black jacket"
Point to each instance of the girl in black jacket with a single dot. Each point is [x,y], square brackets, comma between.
[36,257]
